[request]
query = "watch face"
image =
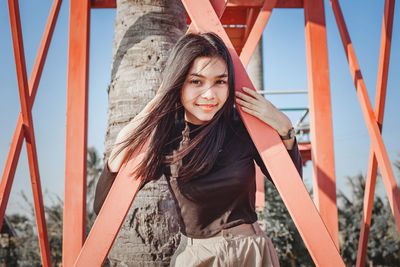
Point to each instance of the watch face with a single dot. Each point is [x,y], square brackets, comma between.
[292,133]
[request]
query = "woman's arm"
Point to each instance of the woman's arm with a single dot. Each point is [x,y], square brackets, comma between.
[115,161]
[103,186]
[255,104]
[112,165]
[294,154]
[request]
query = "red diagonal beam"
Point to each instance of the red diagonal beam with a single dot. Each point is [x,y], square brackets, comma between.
[256,31]
[252,14]
[16,144]
[259,3]
[255,27]
[103,3]
[377,144]
[274,154]
[231,3]
[123,191]
[125,188]
[74,218]
[381,84]
[321,115]
[117,203]
[16,30]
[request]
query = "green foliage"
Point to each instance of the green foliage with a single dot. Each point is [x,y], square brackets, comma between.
[25,247]
[26,243]
[282,230]
[383,242]
[383,247]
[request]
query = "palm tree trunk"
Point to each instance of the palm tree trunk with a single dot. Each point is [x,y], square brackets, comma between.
[144,33]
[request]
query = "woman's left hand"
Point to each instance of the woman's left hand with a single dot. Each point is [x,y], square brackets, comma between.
[255,104]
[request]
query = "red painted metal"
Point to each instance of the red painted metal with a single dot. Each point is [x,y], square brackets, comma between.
[321,116]
[112,214]
[74,225]
[260,3]
[256,31]
[103,4]
[274,154]
[377,144]
[311,227]
[242,39]
[231,3]
[117,203]
[250,20]
[28,130]
[249,45]
[381,84]
[18,136]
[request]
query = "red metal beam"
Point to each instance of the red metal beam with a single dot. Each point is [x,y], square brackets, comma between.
[118,201]
[274,154]
[381,84]
[256,31]
[28,129]
[231,3]
[103,3]
[250,20]
[321,115]
[259,3]
[16,144]
[234,16]
[289,184]
[377,144]
[74,226]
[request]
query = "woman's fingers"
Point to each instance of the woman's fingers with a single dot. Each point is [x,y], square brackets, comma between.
[251,111]
[246,104]
[250,101]
[244,97]
[253,93]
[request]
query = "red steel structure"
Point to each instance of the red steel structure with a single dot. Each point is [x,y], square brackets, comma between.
[317,221]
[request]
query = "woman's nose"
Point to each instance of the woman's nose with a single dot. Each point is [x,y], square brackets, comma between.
[208,93]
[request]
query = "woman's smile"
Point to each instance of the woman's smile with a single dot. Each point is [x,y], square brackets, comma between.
[206,107]
[205,90]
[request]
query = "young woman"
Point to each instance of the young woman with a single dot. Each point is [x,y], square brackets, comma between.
[199,142]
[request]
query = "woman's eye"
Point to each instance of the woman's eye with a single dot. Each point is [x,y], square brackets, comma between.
[197,82]
[221,82]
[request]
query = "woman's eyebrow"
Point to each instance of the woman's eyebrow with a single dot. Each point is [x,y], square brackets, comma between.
[223,75]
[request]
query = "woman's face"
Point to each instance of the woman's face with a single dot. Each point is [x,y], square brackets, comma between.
[205,89]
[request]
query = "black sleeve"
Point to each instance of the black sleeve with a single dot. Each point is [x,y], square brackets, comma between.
[103,187]
[294,154]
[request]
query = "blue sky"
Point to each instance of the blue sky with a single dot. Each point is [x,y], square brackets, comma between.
[284,69]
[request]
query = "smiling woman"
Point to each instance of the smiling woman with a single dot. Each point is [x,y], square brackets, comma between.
[204,93]
[198,141]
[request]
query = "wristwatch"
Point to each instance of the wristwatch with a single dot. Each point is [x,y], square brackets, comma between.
[290,134]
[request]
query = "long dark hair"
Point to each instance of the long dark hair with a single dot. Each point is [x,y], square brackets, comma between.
[162,121]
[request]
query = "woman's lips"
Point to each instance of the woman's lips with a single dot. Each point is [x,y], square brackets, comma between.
[206,107]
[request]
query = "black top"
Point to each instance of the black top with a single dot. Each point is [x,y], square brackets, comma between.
[224,197]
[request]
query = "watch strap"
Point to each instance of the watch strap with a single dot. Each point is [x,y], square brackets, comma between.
[290,134]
